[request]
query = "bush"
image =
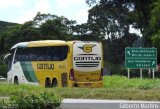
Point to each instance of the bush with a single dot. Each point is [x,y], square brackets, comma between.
[43,100]
[123,72]
[112,68]
[3,70]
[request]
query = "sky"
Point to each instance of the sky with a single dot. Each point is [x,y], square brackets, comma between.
[20,11]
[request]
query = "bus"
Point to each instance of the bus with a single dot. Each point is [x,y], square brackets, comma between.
[56,63]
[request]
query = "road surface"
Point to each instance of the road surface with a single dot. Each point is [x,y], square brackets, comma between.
[108,104]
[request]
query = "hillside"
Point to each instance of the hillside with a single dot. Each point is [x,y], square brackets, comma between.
[4,24]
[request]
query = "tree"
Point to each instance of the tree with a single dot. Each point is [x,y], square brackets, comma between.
[39,19]
[54,27]
[11,36]
[19,33]
[44,26]
[83,32]
[29,32]
[109,20]
[155,26]
[117,15]
[114,51]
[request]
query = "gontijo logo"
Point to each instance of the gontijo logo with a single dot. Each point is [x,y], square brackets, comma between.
[87,48]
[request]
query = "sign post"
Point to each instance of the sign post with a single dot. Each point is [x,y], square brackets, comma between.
[140,58]
[153,74]
[128,74]
[141,73]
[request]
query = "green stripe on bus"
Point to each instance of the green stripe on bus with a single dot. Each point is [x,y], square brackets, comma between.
[28,71]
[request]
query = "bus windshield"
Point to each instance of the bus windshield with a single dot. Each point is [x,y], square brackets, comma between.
[50,53]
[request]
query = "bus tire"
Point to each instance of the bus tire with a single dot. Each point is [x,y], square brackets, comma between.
[54,82]
[16,82]
[48,83]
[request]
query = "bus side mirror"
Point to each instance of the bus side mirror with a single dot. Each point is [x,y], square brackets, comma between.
[6,57]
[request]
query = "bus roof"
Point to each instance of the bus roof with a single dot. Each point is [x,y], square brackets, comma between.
[39,43]
[78,41]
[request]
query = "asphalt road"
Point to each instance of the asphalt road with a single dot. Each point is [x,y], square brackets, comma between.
[108,104]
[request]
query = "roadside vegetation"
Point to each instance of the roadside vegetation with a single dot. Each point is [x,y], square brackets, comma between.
[28,97]
[122,82]
[115,87]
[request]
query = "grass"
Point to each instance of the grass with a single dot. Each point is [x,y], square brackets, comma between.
[123,82]
[115,87]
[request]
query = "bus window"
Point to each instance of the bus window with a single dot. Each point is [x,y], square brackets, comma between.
[21,55]
[53,53]
[57,53]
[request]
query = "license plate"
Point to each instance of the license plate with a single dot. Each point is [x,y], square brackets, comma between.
[87,84]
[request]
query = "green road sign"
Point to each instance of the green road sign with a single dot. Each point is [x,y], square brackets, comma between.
[140,58]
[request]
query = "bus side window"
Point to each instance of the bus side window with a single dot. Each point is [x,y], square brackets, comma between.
[9,63]
[31,54]
[40,54]
[17,57]
[22,54]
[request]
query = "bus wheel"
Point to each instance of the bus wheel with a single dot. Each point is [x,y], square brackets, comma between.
[54,82]
[16,82]
[48,83]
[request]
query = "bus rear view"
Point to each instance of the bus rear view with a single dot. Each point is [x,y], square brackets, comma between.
[87,64]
